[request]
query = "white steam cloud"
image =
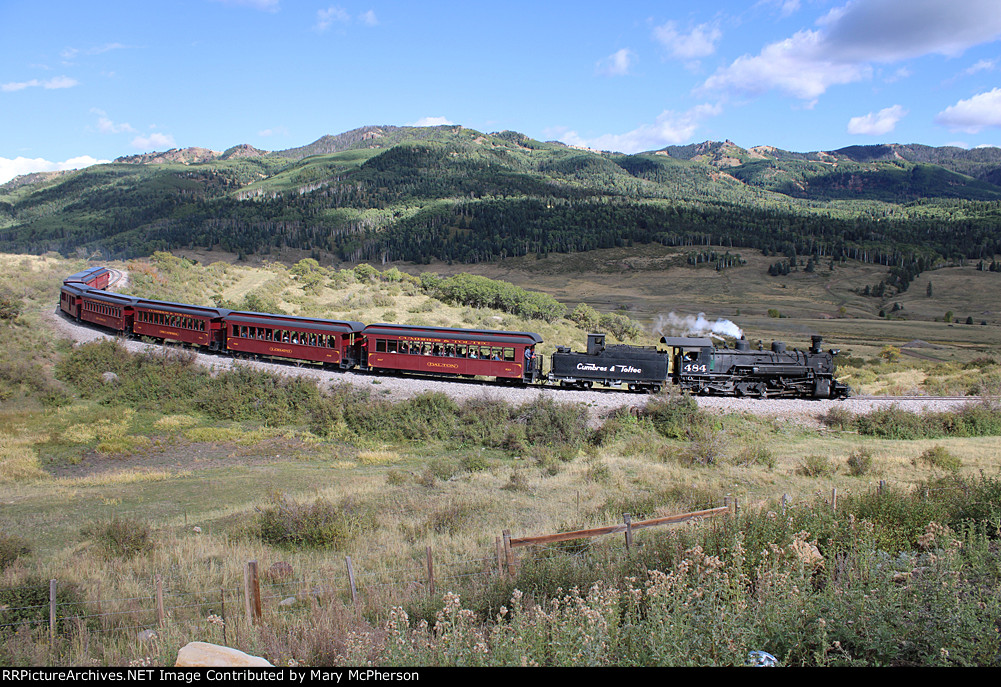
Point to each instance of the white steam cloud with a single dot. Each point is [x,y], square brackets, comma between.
[673,324]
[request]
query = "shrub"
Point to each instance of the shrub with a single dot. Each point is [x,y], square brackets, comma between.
[674,415]
[517,481]
[939,457]
[473,463]
[708,446]
[12,547]
[859,462]
[756,455]
[585,317]
[27,603]
[286,523]
[893,423]
[395,477]
[121,537]
[838,418]
[558,426]
[816,466]
[620,326]
[10,306]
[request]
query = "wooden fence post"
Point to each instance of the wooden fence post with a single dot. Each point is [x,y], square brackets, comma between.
[785,502]
[499,545]
[351,580]
[161,617]
[628,520]
[52,610]
[222,613]
[882,486]
[834,499]
[508,555]
[252,592]
[430,571]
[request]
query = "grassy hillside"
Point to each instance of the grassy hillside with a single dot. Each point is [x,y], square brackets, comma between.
[104,485]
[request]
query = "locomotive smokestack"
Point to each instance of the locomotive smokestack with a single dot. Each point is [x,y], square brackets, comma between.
[818,343]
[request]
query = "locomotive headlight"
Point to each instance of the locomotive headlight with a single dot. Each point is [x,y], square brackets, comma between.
[834,351]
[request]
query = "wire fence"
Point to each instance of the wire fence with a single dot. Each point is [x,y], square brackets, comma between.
[264,596]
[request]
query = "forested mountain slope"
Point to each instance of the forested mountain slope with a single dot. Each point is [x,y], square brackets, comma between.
[455,194]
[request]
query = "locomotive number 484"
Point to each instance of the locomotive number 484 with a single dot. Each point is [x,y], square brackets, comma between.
[690,367]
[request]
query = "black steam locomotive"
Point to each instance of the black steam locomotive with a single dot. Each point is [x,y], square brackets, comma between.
[701,368]
[697,366]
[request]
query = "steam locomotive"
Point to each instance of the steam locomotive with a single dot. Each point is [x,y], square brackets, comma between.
[693,364]
[701,368]
[697,366]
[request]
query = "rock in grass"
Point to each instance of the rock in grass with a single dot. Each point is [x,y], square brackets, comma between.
[205,655]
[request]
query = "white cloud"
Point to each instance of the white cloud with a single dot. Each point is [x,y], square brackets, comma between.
[892,30]
[877,123]
[973,115]
[53,83]
[670,128]
[326,18]
[22,165]
[699,42]
[70,54]
[982,66]
[153,141]
[796,66]
[616,64]
[368,18]
[852,37]
[432,121]
[106,126]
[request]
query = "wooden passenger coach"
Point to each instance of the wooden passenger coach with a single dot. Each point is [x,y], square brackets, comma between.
[69,298]
[331,342]
[190,324]
[94,277]
[106,308]
[454,352]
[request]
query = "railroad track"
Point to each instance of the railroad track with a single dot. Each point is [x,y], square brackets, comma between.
[955,399]
[116,276]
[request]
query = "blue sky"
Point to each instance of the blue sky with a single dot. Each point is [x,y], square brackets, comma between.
[91,81]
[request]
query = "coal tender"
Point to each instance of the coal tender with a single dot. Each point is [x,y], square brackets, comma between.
[636,367]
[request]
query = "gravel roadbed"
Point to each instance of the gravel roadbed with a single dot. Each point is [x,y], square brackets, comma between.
[599,402]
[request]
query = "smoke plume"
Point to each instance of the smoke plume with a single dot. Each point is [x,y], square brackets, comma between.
[673,324]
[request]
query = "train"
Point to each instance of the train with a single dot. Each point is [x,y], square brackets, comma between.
[693,364]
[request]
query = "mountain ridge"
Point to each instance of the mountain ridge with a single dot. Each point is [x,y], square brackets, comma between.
[388,193]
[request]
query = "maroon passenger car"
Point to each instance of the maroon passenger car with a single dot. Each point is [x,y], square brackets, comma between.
[105,308]
[94,277]
[330,342]
[456,352]
[69,298]
[190,324]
